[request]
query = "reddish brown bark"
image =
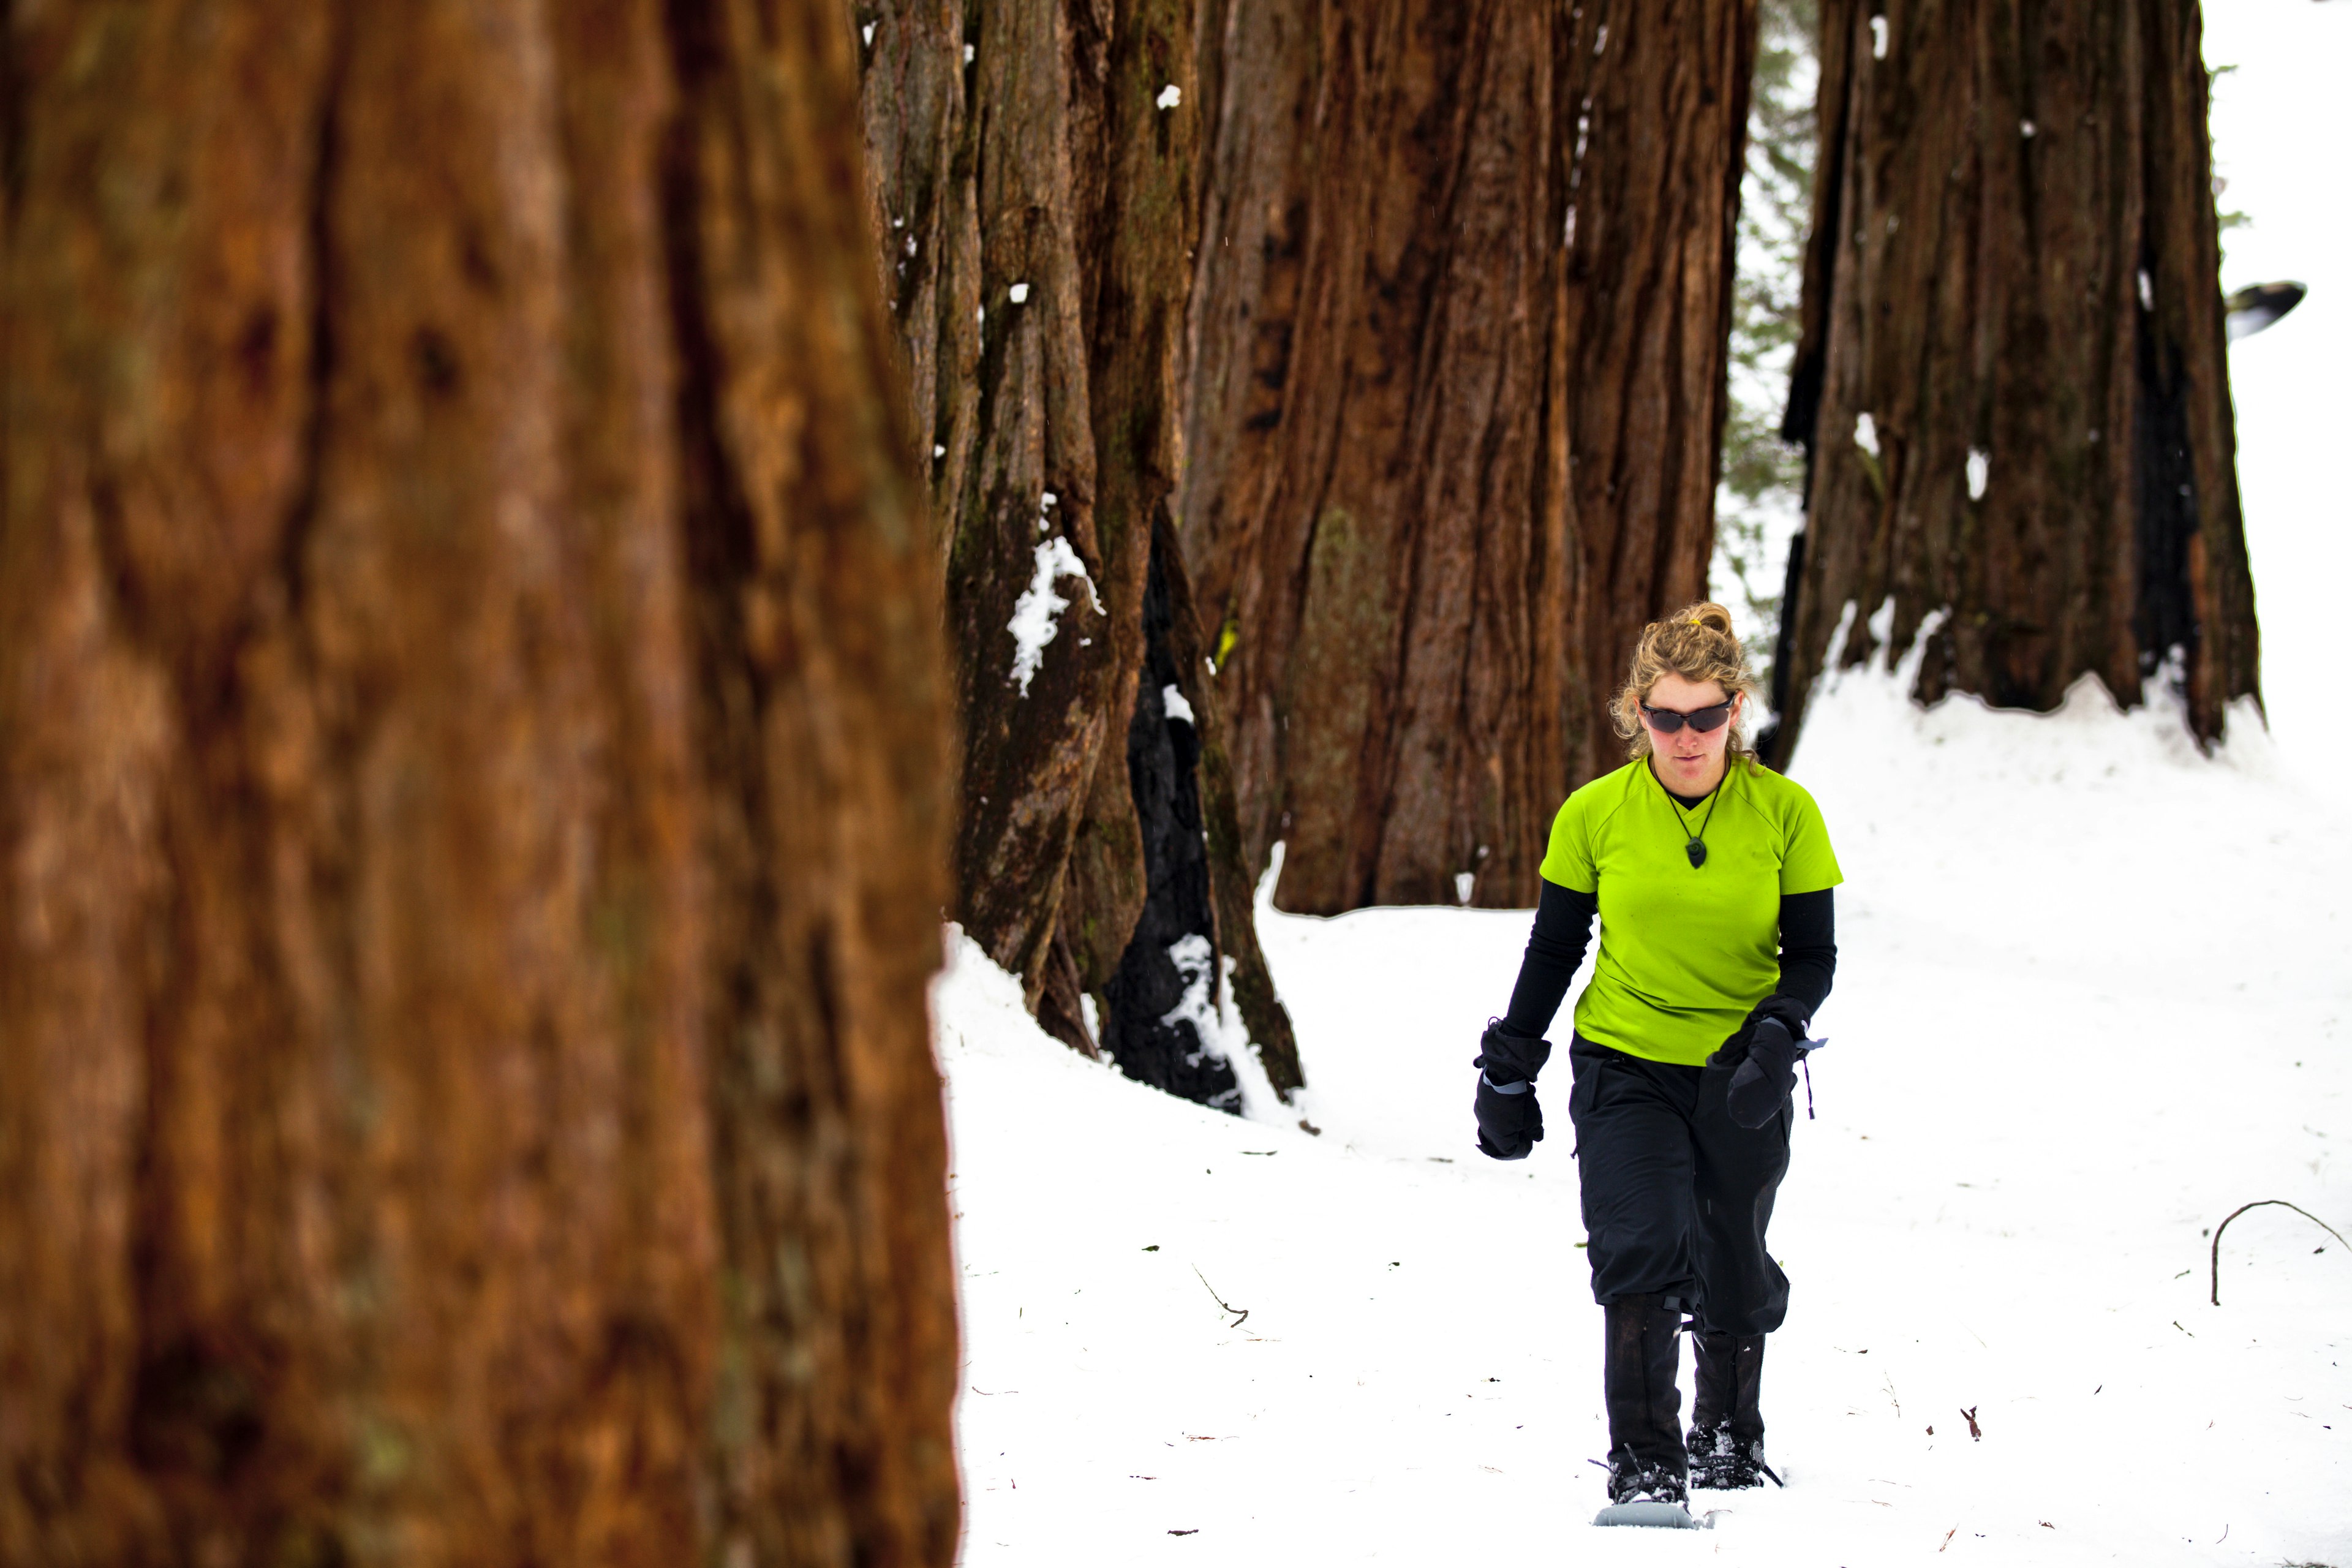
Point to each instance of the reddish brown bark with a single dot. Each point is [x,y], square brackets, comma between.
[2015,255]
[1461,322]
[471,800]
[1037,213]
[978,196]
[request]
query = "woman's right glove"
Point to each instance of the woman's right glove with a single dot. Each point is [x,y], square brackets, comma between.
[1510,1123]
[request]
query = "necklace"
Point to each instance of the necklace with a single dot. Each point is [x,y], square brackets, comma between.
[1696,847]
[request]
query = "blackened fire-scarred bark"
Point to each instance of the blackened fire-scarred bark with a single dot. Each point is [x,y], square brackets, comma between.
[1159,1000]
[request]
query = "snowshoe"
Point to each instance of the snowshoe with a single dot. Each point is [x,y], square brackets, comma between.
[1721,1462]
[1645,1494]
[1645,1430]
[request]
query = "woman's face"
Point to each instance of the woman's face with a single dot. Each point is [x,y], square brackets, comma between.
[1688,762]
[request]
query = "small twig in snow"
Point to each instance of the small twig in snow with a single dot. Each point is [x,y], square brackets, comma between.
[2262,1203]
[1969,1416]
[1890,1394]
[1243,1312]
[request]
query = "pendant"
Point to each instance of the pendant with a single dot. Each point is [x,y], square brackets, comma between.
[1698,853]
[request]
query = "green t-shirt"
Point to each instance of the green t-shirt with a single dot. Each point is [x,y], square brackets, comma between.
[1684,953]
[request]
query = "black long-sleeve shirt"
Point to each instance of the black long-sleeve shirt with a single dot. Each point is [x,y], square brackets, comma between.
[1564,929]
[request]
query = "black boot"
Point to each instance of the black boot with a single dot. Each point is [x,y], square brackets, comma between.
[1647,1457]
[1727,1435]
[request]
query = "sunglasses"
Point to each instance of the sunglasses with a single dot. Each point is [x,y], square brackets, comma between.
[1706,720]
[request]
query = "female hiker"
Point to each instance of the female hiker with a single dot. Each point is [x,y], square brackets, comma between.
[1712,877]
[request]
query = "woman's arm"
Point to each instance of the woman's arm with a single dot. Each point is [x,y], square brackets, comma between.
[1807,953]
[1564,929]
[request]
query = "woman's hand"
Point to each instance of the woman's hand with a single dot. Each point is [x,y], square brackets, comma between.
[1767,1077]
[1510,1122]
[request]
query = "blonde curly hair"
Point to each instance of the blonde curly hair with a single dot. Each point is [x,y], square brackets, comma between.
[1696,642]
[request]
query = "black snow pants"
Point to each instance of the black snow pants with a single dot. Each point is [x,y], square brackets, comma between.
[1677,1195]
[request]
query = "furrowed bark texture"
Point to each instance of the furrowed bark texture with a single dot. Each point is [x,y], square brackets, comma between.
[1460,324]
[2013,278]
[1036,209]
[472,732]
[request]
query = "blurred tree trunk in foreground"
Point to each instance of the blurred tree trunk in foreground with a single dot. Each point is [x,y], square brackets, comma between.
[2012,382]
[472,800]
[1034,165]
[1464,289]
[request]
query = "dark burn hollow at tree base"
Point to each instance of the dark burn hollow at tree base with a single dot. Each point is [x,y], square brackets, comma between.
[1145,1029]
[1195,893]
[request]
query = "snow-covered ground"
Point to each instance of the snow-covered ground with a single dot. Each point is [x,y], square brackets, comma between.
[2094,994]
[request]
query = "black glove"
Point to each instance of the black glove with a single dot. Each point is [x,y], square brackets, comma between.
[1786,1009]
[1510,1122]
[1767,1073]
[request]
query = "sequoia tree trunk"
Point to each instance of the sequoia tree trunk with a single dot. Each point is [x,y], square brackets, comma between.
[2012,382]
[1033,167]
[1461,322]
[472,799]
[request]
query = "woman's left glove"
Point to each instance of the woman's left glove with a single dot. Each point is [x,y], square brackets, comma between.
[1766,1076]
[1510,1122]
[1790,1014]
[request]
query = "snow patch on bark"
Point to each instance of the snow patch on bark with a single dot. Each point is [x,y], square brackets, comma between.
[1207,1009]
[1191,956]
[1171,697]
[1883,659]
[1881,624]
[1837,637]
[1036,615]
